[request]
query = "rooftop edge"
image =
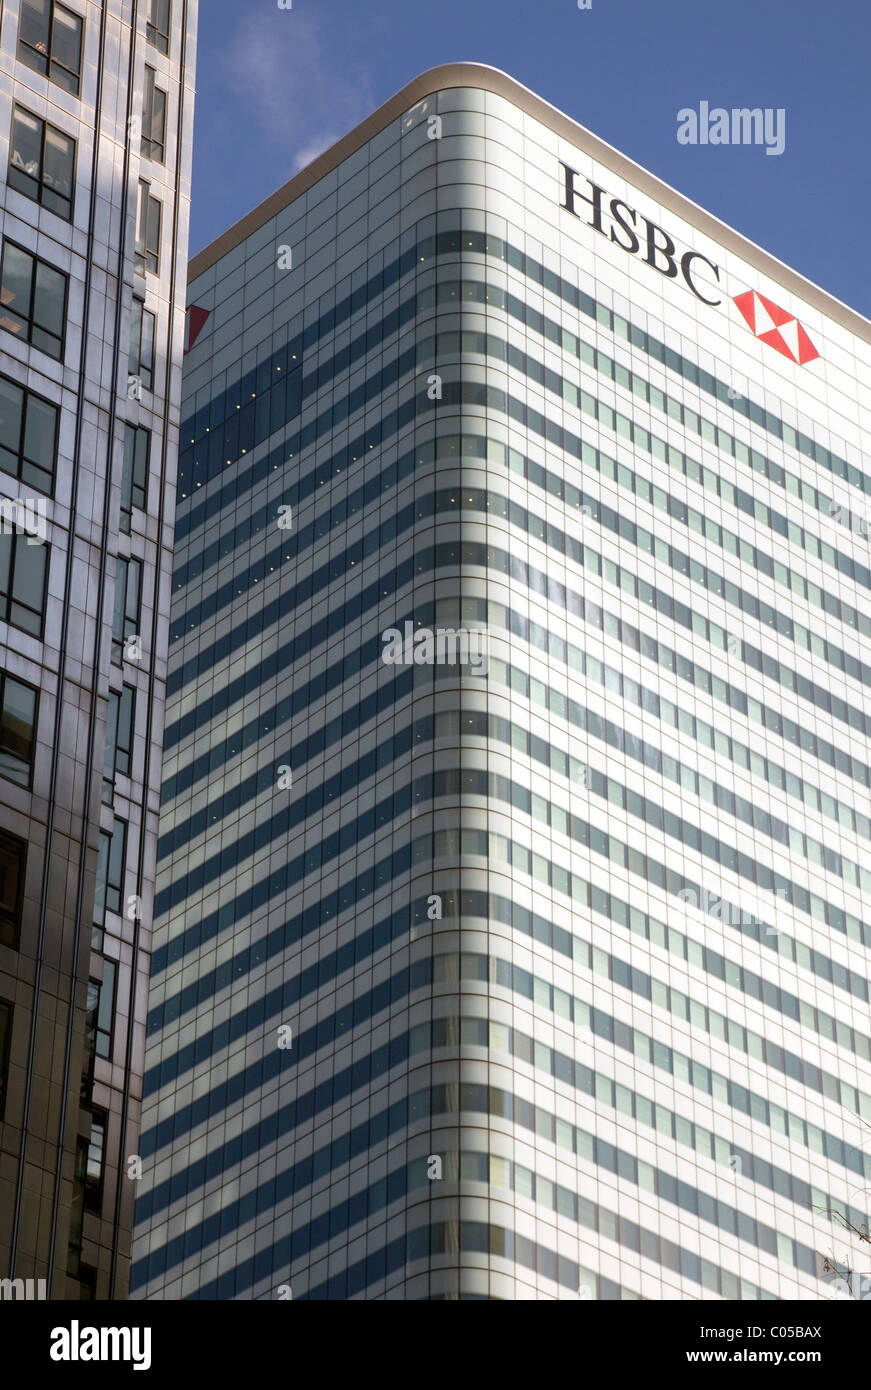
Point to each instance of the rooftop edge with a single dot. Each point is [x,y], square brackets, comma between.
[491,79]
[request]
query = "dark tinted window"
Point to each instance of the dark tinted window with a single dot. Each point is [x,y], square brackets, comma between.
[28,436]
[50,42]
[42,163]
[13,855]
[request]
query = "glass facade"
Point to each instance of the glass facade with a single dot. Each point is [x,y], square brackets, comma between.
[547,978]
[90,276]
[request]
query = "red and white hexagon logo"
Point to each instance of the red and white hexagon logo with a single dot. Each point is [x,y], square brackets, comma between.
[774,326]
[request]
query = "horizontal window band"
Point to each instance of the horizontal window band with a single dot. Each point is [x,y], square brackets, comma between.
[459,343]
[500,1175]
[466,553]
[429,247]
[576,659]
[456,1098]
[329,793]
[438,1100]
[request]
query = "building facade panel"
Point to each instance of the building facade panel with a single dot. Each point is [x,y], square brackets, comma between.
[95,157]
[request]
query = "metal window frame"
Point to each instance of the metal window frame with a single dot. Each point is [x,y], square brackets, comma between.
[39,180]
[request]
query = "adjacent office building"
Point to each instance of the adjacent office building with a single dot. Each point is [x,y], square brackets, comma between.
[512,923]
[96,114]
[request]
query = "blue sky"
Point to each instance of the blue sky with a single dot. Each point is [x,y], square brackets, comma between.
[276,87]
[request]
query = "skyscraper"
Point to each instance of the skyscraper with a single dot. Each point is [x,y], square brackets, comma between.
[96,116]
[512,931]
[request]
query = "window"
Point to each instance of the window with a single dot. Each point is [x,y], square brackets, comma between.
[119,738]
[153,119]
[28,436]
[125,623]
[157,30]
[42,163]
[33,297]
[5,1035]
[17,729]
[140,367]
[50,42]
[109,889]
[88,1181]
[94,1167]
[101,1009]
[23,569]
[147,230]
[13,855]
[134,479]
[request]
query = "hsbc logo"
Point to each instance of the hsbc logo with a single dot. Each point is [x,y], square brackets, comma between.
[774,326]
[638,236]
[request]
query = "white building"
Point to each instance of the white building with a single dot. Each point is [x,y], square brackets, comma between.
[551,982]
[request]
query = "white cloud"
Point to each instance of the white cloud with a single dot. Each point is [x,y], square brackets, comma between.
[316,146]
[303,93]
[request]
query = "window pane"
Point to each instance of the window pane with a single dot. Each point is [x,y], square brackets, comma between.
[152,236]
[146,362]
[5,566]
[111,737]
[118,631]
[158,124]
[141,209]
[11,865]
[34,21]
[135,336]
[125,731]
[30,579]
[15,293]
[127,474]
[100,888]
[40,434]
[140,468]
[49,305]
[25,153]
[115,881]
[94,1173]
[29,572]
[131,607]
[16,731]
[58,170]
[147,109]
[5,1019]
[107,1001]
[11,402]
[66,40]
[158,21]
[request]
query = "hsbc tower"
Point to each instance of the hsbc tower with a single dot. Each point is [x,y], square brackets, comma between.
[550,978]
